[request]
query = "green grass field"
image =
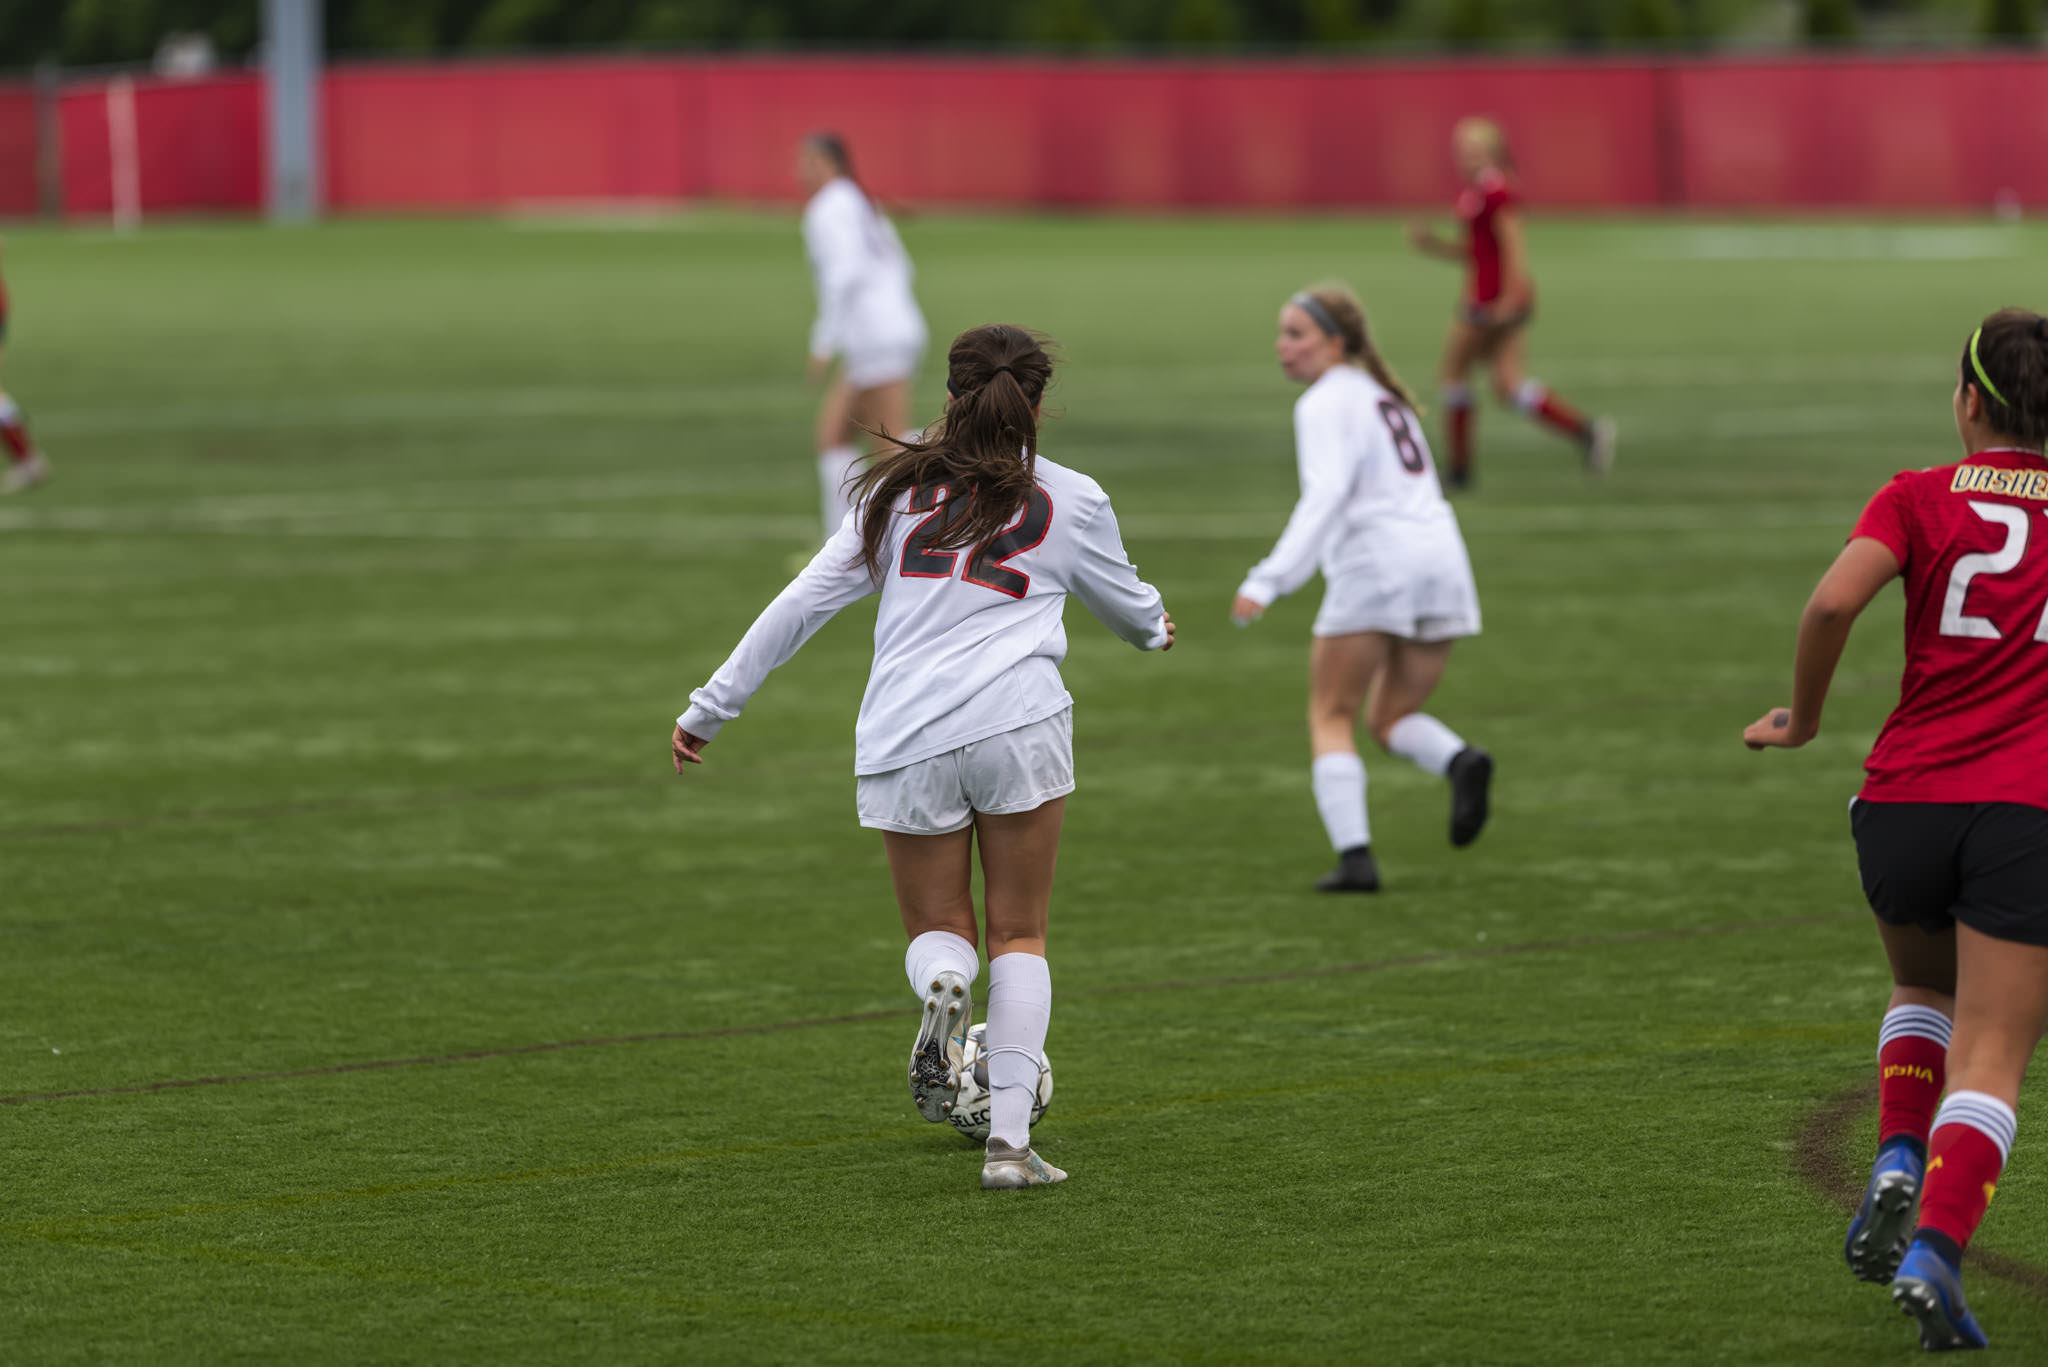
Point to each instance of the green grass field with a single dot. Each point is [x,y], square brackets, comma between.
[337,666]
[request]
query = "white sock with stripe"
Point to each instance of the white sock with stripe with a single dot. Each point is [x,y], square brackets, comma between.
[1983,1113]
[1922,1022]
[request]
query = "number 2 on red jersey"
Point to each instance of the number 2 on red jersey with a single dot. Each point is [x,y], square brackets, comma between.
[1955,621]
[987,564]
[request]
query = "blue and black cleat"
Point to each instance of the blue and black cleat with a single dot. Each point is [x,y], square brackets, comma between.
[1930,1289]
[1884,1222]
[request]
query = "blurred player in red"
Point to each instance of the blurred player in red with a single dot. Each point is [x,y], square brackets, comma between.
[1500,298]
[1951,825]
[26,467]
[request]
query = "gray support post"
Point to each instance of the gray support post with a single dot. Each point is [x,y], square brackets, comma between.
[291,62]
[49,153]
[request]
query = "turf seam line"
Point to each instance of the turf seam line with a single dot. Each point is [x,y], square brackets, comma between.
[1826,1134]
[460,1056]
[893,1013]
[447,797]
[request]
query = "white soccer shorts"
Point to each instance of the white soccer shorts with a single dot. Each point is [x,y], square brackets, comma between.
[870,367]
[1439,603]
[1011,771]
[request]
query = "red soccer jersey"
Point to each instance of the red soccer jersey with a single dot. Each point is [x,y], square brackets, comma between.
[1972,719]
[1480,205]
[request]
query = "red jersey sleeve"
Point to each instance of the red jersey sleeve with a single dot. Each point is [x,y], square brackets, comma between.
[1888,517]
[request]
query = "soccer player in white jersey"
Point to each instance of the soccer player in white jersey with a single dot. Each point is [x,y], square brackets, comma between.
[1398,588]
[973,542]
[867,316]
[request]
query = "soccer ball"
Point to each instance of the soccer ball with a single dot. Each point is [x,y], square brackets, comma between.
[970,1112]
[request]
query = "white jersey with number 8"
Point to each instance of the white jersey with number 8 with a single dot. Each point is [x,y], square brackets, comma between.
[968,642]
[1372,517]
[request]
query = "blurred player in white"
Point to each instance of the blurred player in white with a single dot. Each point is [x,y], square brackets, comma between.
[867,316]
[966,731]
[1398,588]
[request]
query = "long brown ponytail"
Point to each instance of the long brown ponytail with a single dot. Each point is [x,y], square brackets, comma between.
[1349,316]
[982,451]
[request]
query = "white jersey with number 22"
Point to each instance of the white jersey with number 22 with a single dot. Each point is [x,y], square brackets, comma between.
[968,642]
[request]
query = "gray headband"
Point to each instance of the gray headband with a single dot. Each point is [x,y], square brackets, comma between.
[1319,315]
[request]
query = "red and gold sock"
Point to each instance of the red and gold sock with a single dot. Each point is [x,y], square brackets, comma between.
[1972,1135]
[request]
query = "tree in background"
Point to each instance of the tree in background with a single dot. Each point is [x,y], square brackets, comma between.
[96,32]
[1830,21]
[2012,21]
[1473,23]
[1645,22]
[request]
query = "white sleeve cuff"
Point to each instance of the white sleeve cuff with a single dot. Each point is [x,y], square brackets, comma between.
[1258,591]
[700,723]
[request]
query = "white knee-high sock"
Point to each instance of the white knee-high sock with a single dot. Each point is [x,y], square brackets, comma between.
[935,952]
[1425,742]
[835,467]
[1339,783]
[1019,1010]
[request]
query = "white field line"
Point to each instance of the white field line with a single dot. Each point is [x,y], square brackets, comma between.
[383,409]
[654,400]
[724,529]
[1823,242]
[413,499]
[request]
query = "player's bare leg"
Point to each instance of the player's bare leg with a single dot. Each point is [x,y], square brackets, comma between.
[1508,354]
[1461,351]
[932,875]
[1019,853]
[1394,715]
[884,408]
[1341,670]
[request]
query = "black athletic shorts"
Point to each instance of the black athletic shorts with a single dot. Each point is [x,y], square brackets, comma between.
[1932,864]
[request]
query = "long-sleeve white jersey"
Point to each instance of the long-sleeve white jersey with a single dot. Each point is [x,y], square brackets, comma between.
[968,643]
[1370,500]
[862,274]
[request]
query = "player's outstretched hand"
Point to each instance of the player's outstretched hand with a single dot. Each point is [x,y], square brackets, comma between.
[1774,729]
[685,748]
[1244,611]
[1169,630]
[1420,234]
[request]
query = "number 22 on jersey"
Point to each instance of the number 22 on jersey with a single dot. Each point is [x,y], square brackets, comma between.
[987,565]
[1955,621]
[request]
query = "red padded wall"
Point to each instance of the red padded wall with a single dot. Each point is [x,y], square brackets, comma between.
[1884,133]
[199,145]
[18,189]
[465,137]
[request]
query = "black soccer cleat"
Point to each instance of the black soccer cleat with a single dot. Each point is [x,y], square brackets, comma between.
[1471,775]
[1355,872]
